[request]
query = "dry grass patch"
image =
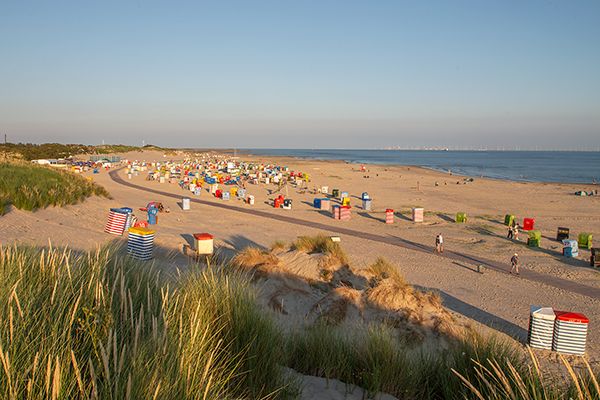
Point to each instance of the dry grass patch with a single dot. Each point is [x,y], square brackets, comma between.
[337,305]
[383,269]
[278,245]
[252,258]
[320,244]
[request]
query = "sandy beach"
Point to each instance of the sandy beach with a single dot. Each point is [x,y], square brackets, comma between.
[491,299]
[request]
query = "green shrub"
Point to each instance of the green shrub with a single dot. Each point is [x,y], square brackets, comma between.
[30,151]
[30,187]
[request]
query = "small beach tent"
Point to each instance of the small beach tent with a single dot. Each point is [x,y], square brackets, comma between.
[417,214]
[509,219]
[585,240]
[570,332]
[140,243]
[528,224]
[204,243]
[570,248]
[534,239]
[461,217]
[389,216]
[335,212]
[225,196]
[345,201]
[117,220]
[541,327]
[317,203]
[367,204]
[345,213]
[152,215]
[365,196]
[128,223]
[562,234]
[335,193]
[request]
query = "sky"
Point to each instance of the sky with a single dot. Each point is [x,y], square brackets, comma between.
[302,74]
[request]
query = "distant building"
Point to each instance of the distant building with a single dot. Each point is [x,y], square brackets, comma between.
[105,158]
[45,161]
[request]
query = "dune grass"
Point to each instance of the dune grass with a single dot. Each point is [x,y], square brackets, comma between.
[251,258]
[378,362]
[320,244]
[101,326]
[278,245]
[383,269]
[98,325]
[492,381]
[30,187]
[474,368]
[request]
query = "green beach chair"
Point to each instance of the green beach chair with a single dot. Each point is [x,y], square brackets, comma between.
[508,219]
[461,217]
[534,239]
[584,240]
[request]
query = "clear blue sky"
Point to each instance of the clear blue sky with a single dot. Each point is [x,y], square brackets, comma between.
[343,74]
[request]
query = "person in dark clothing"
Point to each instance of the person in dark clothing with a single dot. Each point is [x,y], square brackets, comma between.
[514,264]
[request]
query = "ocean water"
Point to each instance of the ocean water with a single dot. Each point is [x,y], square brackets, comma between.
[527,166]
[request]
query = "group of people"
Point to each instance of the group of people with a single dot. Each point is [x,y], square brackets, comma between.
[513,231]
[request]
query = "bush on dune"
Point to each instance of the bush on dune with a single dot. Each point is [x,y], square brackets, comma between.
[30,187]
[31,151]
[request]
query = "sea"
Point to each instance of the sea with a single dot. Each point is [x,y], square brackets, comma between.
[524,166]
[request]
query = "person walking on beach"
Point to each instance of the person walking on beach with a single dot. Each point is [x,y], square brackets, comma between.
[514,264]
[510,232]
[516,231]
